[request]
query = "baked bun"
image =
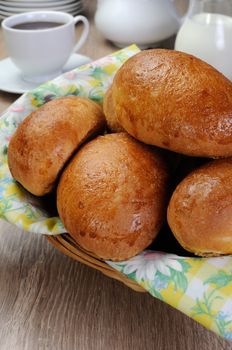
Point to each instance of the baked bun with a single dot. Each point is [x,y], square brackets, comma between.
[109,111]
[175,101]
[47,138]
[112,196]
[200,210]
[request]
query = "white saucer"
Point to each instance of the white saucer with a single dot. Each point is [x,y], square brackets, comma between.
[11,80]
[32,4]
[14,10]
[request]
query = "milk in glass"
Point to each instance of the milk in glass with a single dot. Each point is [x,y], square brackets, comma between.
[209,37]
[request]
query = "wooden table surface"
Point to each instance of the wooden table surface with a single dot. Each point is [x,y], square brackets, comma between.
[48,301]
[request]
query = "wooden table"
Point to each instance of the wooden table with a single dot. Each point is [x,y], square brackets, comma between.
[48,301]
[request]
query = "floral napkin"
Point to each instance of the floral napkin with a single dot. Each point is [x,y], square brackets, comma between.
[201,288]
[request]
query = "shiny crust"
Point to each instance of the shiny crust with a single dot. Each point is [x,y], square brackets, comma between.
[47,138]
[200,210]
[112,196]
[175,101]
[109,111]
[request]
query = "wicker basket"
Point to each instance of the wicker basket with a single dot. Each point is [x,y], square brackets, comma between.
[69,247]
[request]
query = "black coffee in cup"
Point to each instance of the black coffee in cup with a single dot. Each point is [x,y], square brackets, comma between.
[36,25]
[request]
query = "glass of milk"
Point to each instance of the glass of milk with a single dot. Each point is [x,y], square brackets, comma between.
[206,33]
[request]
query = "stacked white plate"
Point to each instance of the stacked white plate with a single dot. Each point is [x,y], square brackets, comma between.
[12,7]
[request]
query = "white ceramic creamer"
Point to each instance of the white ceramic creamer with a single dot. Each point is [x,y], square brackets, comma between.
[143,22]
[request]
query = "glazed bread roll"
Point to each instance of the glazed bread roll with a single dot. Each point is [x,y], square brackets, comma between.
[47,138]
[109,111]
[175,101]
[200,210]
[112,196]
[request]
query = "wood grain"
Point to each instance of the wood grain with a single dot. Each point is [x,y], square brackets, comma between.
[50,302]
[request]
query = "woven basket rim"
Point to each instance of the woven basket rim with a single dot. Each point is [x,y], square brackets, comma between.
[68,246]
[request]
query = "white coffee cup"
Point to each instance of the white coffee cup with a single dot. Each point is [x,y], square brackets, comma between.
[40,54]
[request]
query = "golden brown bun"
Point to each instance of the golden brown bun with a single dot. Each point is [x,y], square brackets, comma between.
[47,138]
[200,210]
[109,111]
[112,196]
[175,101]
